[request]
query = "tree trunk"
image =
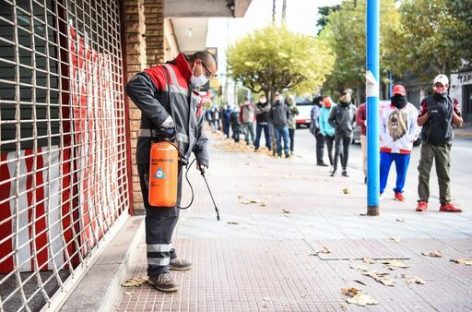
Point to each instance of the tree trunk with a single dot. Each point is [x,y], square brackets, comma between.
[273,12]
[284,11]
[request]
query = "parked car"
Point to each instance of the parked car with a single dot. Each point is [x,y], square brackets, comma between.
[304,106]
[356,137]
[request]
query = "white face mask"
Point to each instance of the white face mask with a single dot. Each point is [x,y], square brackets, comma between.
[198,81]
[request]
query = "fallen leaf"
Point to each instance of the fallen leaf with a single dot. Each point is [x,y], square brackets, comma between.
[346,191]
[343,307]
[361,299]
[359,266]
[286,211]
[368,260]
[351,292]
[462,261]
[324,250]
[266,299]
[232,222]
[247,201]
[134,282]
[396,240]
[263,204]
[400,219]
[392,264]
[434,254]
[414,280]
[380,277]
[360,282]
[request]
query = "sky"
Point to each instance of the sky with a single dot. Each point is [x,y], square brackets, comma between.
[301,17]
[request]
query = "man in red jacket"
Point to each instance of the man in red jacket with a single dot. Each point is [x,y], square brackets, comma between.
[170,105]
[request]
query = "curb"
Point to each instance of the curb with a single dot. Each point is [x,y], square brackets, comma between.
[100,289]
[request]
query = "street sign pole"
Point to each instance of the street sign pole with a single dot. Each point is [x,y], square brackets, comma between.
[372,94]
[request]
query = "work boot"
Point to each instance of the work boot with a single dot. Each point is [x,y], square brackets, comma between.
[180,265]
[422,206]
[448,207]
[163,282]
[399,196]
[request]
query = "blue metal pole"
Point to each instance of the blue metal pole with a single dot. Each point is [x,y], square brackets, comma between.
[372,94]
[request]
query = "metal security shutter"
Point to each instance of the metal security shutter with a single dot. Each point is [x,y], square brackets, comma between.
[63,177]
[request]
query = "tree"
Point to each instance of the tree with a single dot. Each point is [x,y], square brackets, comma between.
[435,37]
[345,35]
[324,12]
[274,59]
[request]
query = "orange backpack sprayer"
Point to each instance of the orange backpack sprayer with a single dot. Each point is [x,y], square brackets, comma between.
[163,173]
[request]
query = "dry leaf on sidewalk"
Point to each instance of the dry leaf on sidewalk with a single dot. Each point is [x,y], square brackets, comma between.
[346,191]
[414,280]
[357,297]
[134,282]
[232,222]
[462,261]
[380,277]
[393,239]
[351,292]
[359,266]
[368,260]
[324,250]
[285,211]
[400,219]
[434,254]
[247,201]
[392,264]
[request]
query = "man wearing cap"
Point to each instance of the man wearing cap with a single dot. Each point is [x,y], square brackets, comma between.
[398,131]
[438,113]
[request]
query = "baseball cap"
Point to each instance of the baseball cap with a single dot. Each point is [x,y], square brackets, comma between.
[399,89]
[442,79]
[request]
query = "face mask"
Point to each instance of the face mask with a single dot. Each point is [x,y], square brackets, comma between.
[198,81]
[399,101]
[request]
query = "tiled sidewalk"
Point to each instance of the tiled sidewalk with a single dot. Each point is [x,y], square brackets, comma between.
[263,256]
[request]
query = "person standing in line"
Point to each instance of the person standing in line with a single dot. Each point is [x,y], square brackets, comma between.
[326,130]
[247,117]
[226,119]
[262,123]
[315,130]
[361,120]
[279,115]
[292,124]
[235,124]
[398,131]
[342,119]
[438,113]
[167,114]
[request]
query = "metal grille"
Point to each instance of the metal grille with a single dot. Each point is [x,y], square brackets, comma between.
[63,182]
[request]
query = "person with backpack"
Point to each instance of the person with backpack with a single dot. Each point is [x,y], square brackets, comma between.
[398,131]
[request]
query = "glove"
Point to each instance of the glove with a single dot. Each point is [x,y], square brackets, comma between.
[166,133]
[202,166]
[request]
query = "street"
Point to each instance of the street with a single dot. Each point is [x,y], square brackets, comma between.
[461,170]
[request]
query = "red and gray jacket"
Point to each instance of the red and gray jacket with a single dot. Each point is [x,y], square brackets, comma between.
[162,91]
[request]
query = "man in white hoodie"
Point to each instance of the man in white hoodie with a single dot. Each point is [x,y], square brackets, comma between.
[398,131]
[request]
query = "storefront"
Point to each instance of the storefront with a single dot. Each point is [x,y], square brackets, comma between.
[63,165]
